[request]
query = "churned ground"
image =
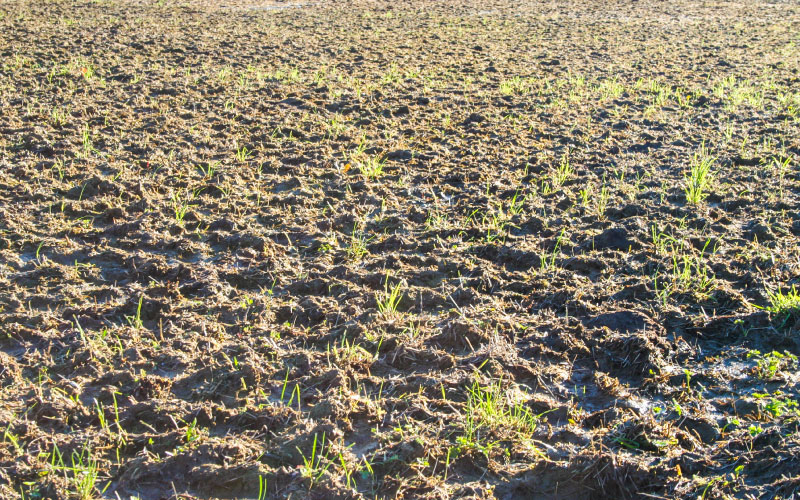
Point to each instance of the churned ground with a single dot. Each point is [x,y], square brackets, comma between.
[455,249]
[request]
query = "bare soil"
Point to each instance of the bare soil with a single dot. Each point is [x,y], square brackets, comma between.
[399,249]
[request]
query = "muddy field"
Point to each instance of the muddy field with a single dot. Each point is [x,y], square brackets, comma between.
[456,249]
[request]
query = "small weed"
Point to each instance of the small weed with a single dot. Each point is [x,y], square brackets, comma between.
[349,481]
[777,404]
[389,299]
[313,468]
[517,204]
[209,169]
[82,474]
[491,408]
[563,172]
[601,202]
[514,85]
[662,242]
[85,474]
[782,167]
[12,438]
[262,488]
[372,167]
[784,305]
[180,207]
[358,245]
[88,72]
[770,364]
[335,127]
[224,73]
[700,177]
[585,195]
[243,154]
[191,432]
[411,330]
[392,76]
[59,166]
[86,139]
[58,116]
[495,227]
[690,274]
[136,320]
[436,220]
[549,261]
[351,352]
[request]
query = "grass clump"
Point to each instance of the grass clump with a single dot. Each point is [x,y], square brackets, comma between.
[390,299]
[357,248]
[563,172]
[699,179]
[372,167]
[490,409]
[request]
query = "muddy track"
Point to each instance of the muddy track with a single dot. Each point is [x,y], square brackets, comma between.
[432,250]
